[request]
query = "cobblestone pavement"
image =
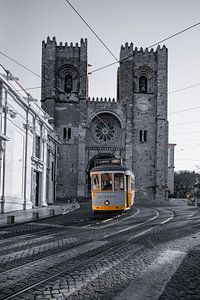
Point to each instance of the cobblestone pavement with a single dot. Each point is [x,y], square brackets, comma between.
[82,257]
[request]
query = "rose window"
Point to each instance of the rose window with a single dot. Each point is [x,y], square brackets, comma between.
[105,128]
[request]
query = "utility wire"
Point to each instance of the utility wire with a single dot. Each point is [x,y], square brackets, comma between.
[173,35]
[185,88]
[185,123]
[117,61]
[186,109]
[101,68]
[89,73]
[169,37]
[21,65]
[111,64]
[184,133]
[92,31]
[187,159]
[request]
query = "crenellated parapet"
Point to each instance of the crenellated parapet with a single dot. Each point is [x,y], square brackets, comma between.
[149,50]
[83,42]
[127,51]
[101,99]
[72,50]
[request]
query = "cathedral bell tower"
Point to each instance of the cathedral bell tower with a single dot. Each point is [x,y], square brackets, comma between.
[142,90]
[64,92]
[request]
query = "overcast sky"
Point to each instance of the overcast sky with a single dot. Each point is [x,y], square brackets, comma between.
[25,23]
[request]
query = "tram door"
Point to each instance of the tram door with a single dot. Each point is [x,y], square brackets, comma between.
[127,188]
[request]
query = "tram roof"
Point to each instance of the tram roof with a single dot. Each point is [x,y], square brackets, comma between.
[109,168]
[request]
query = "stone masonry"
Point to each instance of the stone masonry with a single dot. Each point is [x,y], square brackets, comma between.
[132,127]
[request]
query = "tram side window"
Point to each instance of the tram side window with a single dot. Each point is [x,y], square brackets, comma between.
[118,182]
[95,183]
[106,182]
[132,184]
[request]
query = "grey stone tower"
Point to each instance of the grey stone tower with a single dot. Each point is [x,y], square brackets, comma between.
[64,87]
[132,127]
[142,87]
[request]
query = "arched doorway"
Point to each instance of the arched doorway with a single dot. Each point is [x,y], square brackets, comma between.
[91,165]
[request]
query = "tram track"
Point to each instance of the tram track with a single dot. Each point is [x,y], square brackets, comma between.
[32,239]
[65,243]
[85,261]
[66,247]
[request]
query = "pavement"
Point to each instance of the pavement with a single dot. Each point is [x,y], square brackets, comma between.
[22,216]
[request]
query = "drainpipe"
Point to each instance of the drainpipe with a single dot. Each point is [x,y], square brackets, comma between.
[55,171]
[26,156]
[3,154]
[1,141]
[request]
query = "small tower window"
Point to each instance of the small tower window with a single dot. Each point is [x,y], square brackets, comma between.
[68,84]
[143,136]
[143,84]
[64,133]
[67,133]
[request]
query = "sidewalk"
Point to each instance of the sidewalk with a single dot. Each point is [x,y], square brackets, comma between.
[22,216]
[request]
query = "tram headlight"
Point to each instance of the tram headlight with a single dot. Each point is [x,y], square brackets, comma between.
[106,202]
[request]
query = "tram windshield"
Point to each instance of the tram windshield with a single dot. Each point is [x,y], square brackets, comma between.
[106,182]
[118,182]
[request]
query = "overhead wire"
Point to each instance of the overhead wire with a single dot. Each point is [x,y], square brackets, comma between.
[185,133]
[176,124]
[117,61]
[97,36]
[21,65]
[184,88]
[185,109]
[111,64]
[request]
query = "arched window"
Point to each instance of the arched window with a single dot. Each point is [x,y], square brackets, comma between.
[68,84]
[143,84]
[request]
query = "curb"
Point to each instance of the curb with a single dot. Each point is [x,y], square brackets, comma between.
[39,215]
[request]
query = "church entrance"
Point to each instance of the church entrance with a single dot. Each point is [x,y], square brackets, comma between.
[91,164]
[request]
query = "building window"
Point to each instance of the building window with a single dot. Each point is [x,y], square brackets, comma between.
[143,84]
[68,83]
[143,136]
[105,128]
[37,146]
[67,133]
[64,133]
[52,171]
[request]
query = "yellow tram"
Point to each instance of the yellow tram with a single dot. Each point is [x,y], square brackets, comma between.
[112,187]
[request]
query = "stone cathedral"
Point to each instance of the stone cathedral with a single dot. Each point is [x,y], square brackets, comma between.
[132,127]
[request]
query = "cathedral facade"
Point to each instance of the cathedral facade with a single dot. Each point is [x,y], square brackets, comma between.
[132,127]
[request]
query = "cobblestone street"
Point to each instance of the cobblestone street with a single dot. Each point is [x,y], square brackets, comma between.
[79,256]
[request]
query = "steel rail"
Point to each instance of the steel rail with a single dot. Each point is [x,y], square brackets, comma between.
[84,261]
[60,251]
[80,244]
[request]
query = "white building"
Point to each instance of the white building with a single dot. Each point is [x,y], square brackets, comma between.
[28,149]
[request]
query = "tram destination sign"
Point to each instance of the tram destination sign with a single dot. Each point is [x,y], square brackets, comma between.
[106,148]
[108,161]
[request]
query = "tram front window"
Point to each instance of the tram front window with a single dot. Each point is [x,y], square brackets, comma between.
[106,182]
[118,182]
[95,183]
